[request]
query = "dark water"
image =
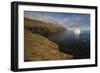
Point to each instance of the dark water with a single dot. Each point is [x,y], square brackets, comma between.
[69,42]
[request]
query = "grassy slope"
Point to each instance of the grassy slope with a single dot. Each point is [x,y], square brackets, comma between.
[39,48]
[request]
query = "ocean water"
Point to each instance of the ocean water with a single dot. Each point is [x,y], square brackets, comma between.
[71,43]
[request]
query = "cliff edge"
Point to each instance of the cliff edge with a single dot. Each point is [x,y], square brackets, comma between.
[39,48]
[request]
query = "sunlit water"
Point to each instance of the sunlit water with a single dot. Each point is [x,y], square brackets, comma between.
[76,44]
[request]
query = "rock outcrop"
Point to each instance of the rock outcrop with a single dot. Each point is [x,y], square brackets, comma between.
[39,48]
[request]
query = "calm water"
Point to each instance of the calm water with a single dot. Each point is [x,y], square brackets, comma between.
[69,42]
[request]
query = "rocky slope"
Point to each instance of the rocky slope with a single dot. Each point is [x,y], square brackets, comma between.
[39,48]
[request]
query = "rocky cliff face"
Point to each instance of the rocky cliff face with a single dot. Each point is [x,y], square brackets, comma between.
[44,26]
[39,48]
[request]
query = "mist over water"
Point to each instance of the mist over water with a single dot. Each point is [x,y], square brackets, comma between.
[69,42]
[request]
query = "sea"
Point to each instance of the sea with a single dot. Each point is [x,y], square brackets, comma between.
[77,45]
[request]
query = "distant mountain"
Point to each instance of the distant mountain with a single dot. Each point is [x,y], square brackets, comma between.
[43,25]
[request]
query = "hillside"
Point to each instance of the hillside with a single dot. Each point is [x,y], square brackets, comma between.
[38,48]
[43,26]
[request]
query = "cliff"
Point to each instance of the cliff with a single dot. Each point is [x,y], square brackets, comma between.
[45,26]
[38,48]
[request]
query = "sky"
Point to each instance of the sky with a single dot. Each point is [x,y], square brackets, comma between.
[69,20]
